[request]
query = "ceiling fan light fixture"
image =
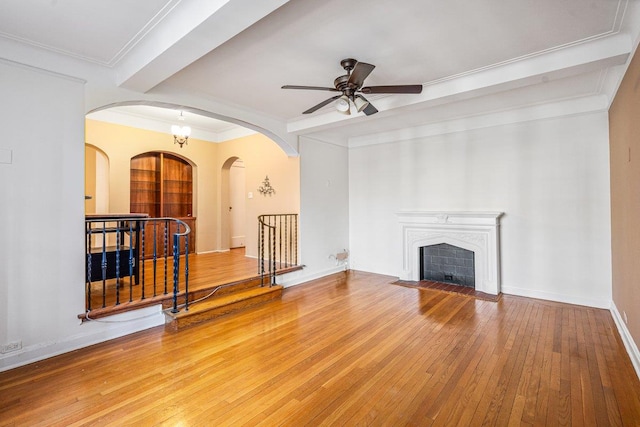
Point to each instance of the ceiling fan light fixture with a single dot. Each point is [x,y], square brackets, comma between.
[342,105]
[360,104]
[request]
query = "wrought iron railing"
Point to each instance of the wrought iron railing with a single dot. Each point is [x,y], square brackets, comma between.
[119,249]
[277,244]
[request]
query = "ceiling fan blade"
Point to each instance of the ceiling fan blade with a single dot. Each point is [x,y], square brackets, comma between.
[360,72]
[322,104]
[369,110]
[310,88]
[392,89]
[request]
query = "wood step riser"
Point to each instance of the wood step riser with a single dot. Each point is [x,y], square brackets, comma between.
[196,316]
[226,290]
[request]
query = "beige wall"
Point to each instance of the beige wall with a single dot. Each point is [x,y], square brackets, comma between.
[260,154]
[262,157]
[624,135]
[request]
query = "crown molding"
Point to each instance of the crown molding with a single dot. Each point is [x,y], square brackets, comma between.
[563,108]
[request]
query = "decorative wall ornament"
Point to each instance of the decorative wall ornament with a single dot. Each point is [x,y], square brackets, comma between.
[266,188]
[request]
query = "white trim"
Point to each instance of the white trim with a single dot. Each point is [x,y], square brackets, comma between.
[627,339]
[132,321]
[556,297]
[213,251]
[474,231]
[297,277]
[563,108]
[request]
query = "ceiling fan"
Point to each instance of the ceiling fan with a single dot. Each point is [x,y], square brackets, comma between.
[350,86]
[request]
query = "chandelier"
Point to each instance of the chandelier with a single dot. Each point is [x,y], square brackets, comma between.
[180,133]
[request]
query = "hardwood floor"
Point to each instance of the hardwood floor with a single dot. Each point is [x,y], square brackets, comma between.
[348,349]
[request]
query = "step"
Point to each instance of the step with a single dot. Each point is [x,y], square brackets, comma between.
[220,305]
[219,290]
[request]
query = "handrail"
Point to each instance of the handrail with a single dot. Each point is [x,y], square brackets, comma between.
[130,235]
[281,246]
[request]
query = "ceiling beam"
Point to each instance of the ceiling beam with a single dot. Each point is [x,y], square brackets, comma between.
[535,69]
[191,30]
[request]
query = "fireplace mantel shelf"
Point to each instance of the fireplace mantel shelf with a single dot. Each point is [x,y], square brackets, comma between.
[474,231]
[452,217]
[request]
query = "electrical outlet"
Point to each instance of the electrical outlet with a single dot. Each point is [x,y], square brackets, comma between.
[624,314]
[12,346]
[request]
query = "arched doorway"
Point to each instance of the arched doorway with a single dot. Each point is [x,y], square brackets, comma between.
[237,208]
[96,180]
[233,208]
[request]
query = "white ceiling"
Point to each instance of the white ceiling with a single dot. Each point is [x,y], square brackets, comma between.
[100,32]
[474,58]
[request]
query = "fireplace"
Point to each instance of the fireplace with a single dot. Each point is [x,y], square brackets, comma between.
[477,232]
[443,262]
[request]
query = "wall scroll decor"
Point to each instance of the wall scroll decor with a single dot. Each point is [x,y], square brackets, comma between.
[266,187]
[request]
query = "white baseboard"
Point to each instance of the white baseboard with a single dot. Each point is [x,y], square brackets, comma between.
[300,276]
[552,296]
[215,251]
[123,324]
[627,339]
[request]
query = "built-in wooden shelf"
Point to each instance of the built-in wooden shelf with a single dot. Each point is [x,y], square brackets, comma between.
[162,186]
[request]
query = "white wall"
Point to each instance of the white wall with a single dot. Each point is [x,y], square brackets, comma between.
[550,177]
[42,218]
[324,209]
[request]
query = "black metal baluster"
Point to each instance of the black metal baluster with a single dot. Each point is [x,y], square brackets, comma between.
[89,266]
[117,252]
[155,255]
[261,250]
[186,272]
[273,253]
[104,264]
[131,261]
[166,246]
[280,242]
[142,256]
[286,242]
[176,266]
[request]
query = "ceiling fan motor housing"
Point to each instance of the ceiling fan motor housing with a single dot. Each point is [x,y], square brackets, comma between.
[342,84]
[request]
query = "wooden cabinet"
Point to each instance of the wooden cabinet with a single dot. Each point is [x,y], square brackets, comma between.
[162,186]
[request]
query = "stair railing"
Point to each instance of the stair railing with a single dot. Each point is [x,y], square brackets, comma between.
[117,260]
[277,244]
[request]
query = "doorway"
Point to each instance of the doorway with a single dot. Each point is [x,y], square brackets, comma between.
[233,204]
[237,209]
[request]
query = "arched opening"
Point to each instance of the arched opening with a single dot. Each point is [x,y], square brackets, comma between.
[122,134]
[226,198]
[237,206]
[288,146]
[149,174]
[96,180]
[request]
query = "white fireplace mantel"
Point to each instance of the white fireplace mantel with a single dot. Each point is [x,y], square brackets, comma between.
[474,231]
